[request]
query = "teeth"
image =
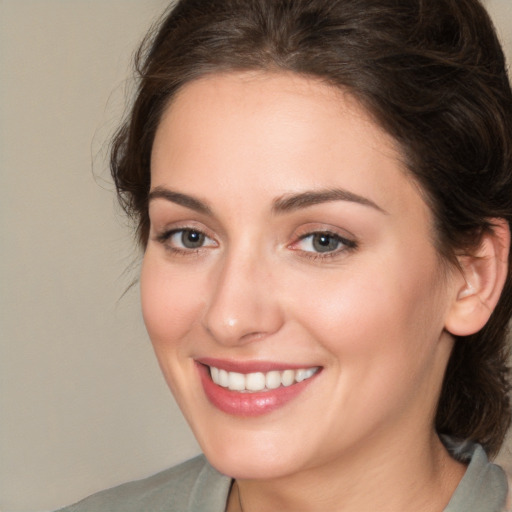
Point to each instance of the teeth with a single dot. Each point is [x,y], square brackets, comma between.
[273,380]
[287,378]
[255,381]
[304,374]
[259,381]
[223,378]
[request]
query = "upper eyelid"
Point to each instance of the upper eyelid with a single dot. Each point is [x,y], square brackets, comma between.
[343,239]
[348,240]
[169,227]
[322,232]
[313,228]
[173,230]
[159,223]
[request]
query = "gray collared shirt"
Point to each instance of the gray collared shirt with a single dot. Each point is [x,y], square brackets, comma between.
[195,486]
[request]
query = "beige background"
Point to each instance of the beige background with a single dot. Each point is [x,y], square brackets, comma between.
[82,402]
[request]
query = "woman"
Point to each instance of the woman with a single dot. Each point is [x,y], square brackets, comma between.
[323,194]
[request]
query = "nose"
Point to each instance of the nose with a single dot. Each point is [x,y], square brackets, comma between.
[243,305]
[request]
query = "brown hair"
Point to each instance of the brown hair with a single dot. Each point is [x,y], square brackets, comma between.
[431,72]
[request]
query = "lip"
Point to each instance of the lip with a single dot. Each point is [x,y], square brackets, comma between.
[249,366]
[249,404]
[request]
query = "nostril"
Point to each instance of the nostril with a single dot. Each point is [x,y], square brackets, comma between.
[254,335]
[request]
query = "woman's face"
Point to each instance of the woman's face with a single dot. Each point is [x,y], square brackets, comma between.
[292,257]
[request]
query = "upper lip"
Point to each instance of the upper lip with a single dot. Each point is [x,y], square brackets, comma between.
[250,366]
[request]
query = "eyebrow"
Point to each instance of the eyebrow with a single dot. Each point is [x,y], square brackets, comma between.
[284,204]
[181,199]
[293,202]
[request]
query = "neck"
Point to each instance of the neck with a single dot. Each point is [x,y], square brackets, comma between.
[393,478]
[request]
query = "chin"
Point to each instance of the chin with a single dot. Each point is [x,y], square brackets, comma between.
[249,466]
[251,452]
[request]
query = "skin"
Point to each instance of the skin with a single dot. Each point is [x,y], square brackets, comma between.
[371,313]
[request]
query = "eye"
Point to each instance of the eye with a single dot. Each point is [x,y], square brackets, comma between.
[186,239]
[323,242]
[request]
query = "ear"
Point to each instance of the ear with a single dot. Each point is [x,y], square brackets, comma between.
[479,286]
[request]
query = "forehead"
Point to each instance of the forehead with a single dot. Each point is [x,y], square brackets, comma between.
[281,133]
[262,97]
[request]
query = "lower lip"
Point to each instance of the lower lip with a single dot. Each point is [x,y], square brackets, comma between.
[249,404]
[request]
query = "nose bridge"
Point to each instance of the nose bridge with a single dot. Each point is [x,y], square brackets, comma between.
[241,305]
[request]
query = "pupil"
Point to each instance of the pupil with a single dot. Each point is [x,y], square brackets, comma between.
[324,242]
[192,239]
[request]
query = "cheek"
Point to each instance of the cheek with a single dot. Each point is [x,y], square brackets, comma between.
[171,303]
[388,308]
[381,331]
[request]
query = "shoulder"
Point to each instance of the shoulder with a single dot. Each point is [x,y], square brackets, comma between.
[188,486]
[484,487]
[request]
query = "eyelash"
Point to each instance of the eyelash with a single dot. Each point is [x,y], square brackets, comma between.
[347,245]
[165,237]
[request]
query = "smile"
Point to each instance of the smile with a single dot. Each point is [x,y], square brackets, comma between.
[247,389]
[260,381]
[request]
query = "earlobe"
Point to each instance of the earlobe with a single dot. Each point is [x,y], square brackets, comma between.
[481,281]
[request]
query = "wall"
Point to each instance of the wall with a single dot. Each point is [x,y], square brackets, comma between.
[83,405]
